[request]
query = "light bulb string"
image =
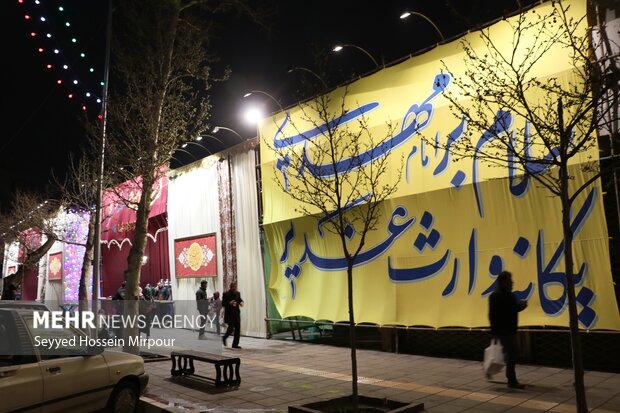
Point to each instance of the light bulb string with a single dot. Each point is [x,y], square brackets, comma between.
[76,87]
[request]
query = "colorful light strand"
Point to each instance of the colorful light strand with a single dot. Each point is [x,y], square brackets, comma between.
[40,31]
[76,232]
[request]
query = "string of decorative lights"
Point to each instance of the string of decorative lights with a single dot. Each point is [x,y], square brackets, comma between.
[76,232]
[57,54]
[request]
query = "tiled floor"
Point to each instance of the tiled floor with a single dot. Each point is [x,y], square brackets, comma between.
[276,374]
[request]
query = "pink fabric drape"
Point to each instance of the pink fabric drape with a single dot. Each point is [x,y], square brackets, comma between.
[118,219]
[29,284]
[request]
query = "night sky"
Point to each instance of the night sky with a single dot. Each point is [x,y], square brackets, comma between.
[41,125]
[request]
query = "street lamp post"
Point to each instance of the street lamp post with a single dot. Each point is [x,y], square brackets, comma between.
[216,129]
[339,47]
[186,143]
[206,135]
[406,14]
[305,69]
[184,151]
[262,92]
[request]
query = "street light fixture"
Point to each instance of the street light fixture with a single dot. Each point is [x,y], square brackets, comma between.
[253,114]
[206,135]
[262,92]
[339,47]
[184,151]
[406,14]
[186,143]
[305,69]
[216,129]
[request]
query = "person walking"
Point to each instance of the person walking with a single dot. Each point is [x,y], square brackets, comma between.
[202,304]
[216,309]
[231,301]
[119,307]
[503,316]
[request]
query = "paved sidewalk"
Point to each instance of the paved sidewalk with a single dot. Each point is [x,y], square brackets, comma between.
[278,373]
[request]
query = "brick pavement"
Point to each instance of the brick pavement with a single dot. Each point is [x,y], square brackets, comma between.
[279,373]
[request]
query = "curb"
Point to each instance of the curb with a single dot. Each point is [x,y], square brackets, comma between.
[148,405]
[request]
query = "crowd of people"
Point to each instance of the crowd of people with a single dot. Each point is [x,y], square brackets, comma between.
[161,292]
[213,309]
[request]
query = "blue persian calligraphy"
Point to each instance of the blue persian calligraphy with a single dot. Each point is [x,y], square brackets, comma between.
[395,230]
[453,137]
[519,189]
[550,283]
[548,276]
[364,257]
[343,119]
[407,275]
[415,120]
[473,267]
[282,165]
[290,235]
[501,124]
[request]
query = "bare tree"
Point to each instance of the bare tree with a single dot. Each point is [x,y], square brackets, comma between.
[560,114]
[31,223]
[78,190]
[161,76]
[337,171]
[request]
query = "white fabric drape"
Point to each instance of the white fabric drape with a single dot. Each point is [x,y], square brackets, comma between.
[11,252]
[249,256]
[192,211]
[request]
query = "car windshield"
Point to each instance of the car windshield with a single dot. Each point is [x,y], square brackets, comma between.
[52,341]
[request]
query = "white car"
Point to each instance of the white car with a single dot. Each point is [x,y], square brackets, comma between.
[66,378]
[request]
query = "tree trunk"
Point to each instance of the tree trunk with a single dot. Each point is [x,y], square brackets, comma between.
[87,264]
[352,336]
[32,258]
[134,261]
[580,392]
[1,267]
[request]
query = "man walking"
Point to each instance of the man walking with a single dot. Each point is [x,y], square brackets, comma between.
[202,304]
[503,315]
[231,301]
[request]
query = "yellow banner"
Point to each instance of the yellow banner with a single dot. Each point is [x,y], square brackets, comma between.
[451,227]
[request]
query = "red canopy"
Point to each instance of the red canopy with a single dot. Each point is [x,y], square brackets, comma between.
[120,205]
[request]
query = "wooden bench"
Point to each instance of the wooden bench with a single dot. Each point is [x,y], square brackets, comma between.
[226,368]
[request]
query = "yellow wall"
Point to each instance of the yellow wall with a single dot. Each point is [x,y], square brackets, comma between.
[480,226]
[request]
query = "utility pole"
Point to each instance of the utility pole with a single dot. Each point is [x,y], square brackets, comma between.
[104,113]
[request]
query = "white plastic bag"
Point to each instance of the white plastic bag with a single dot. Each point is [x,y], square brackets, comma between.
[493,358]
